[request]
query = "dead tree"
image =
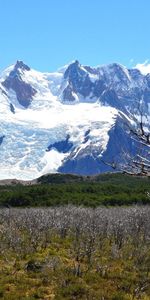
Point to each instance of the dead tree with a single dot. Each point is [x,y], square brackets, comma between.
[139,131]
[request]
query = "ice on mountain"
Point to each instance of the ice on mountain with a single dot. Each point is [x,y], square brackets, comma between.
[92,121]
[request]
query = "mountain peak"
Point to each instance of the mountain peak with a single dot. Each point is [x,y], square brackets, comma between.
[21,65]
[14,80]
[76,62]
[74,69]
[69,121]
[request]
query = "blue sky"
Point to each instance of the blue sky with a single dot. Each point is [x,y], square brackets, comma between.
[46,34]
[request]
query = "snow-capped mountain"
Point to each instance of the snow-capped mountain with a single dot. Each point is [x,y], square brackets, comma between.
[70,121]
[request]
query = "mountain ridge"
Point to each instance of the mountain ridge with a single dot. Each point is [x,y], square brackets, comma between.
[70,121]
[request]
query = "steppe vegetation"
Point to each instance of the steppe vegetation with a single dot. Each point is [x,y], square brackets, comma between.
[75,253]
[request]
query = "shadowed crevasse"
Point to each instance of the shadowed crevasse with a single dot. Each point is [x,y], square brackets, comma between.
[1,139]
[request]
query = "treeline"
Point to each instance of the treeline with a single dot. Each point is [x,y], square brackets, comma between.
[59,189]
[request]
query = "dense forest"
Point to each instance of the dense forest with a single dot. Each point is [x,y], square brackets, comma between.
[59,189]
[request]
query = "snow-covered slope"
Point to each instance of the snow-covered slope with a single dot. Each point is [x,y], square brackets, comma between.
[67,121]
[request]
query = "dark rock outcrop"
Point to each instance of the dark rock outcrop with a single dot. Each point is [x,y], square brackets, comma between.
[78,80]
[99,88]
[68,94]
[20,65]
[23,90]
[1,139]
[12,109]
[91,162]
[63,146]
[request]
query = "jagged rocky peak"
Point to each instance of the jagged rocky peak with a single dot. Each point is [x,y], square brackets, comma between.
[135,73]
[18,68]
[21,65]
[75,121]
[14,81]
[116,70]
[74,69]
[91,70]
[78,82]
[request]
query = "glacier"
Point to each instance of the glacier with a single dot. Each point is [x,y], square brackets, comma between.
[79,105]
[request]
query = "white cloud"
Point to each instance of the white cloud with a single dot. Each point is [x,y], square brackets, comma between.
[144,68]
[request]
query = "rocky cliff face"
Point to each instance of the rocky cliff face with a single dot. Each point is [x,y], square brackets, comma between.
[24,91]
